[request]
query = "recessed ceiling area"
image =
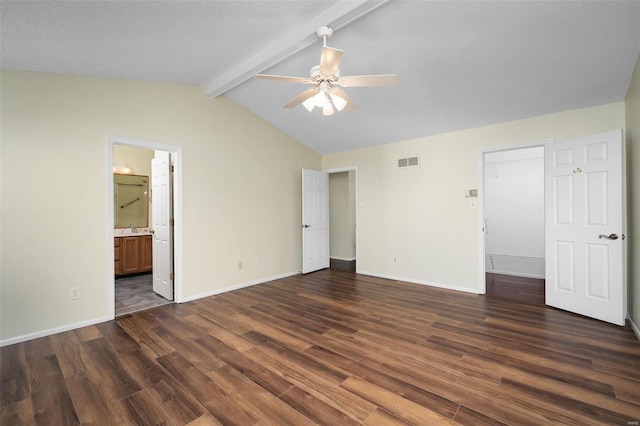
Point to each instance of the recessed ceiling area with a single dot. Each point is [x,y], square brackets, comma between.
[459,64]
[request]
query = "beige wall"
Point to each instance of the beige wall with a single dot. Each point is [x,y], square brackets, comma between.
[342,215]
[632,103]
[139,159]
[420,214]
[241,191]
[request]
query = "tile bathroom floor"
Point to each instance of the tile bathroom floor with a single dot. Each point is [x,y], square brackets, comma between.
[135,293]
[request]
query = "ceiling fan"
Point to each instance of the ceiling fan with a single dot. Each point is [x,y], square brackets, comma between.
[326,81]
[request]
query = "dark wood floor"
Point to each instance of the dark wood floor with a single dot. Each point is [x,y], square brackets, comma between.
[517,289]
[332,348]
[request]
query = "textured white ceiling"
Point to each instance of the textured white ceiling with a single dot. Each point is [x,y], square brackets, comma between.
[459,64]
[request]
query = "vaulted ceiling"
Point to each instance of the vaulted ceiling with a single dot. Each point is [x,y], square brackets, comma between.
[460,64]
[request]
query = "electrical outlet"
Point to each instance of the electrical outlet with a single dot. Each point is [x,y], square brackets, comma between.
[74,293]
[395,258]
[240,265]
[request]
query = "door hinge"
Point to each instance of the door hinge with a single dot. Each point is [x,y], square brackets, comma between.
[172,222]
[171,168]
[171,276]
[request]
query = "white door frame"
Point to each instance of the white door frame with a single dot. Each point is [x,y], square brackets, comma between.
[176,153]
[355,170]
[482,287]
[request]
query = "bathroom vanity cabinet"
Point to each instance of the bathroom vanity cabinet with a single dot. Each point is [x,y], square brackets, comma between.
[133,254]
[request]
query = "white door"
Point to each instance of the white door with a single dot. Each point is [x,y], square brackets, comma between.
[584,246]
[162,229]
[315,220]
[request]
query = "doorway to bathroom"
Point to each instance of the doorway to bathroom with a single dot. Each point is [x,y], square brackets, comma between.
[144,211]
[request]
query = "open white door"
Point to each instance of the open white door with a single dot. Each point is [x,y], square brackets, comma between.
[315,220]
[584,220]
[162,229]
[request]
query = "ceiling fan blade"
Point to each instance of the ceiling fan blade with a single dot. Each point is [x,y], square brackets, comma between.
[330,60]
[302,97]
[368,80]
[351,105]
[303,80]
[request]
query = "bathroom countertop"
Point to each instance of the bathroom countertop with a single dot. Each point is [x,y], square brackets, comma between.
[126,232]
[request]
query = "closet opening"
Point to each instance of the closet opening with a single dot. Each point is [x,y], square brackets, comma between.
[513,224]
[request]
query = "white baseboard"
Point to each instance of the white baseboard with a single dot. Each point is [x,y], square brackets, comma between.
[634,327]
[427,283]
[516,274]
[237,287]
[49,332]
[347,259]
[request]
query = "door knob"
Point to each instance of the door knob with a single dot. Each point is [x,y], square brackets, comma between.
[609,237]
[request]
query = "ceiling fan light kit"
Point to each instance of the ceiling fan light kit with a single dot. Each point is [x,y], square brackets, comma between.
[327,80]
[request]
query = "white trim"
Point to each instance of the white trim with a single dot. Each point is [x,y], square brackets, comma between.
[482,283]
[176,154]
[351,169]
[238,286]
[634,327]
[346,259]
[421,282]
[518,274]
[50,331]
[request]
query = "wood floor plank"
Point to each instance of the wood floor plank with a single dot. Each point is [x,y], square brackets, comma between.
[199,357]
[394,403]
[408,391]
[513,375]
[70,352]
[219,403]
[17,413]
[149,340]
[180,404]
[381,417]
[118,337]
[330,347]
[50,397]
[467,416]
[115,377]
[88,333]
[252,370]
[349,403]
[308,363]
[14,380]
[482,396]
[541,370]
[143,410]
[320,337]
[205,420]
[315,409]
[256,400]
[604,415]
[93,403]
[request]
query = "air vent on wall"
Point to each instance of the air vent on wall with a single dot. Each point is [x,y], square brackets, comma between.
[409,162]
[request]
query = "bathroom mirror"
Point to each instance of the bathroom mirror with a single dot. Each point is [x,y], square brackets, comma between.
[131,201]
